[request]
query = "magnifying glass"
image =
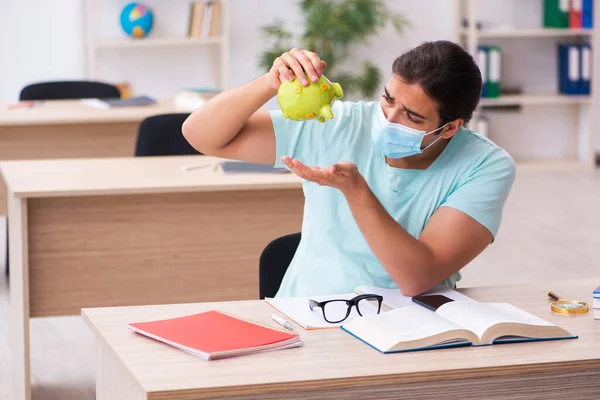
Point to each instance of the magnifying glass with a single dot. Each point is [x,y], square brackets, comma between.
[563,306]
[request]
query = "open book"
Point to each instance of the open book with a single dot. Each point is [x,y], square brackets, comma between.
[458,323]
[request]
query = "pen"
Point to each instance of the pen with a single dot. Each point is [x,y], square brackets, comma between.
[282,322]
[195,166]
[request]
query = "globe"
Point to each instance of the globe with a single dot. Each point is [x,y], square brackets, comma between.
[136,20]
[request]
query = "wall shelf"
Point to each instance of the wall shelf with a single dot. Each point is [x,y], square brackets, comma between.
[528,33]
[535,100]
[154,42]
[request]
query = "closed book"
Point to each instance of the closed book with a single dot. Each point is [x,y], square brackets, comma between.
[213,334]
[191,99]
[137,101]
[240,167]
[575,9]
[215,22]
[191,19]
[596,293]
[198,19]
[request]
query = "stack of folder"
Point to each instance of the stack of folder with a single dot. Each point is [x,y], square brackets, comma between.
[596,303]
[569,14]
[489,59]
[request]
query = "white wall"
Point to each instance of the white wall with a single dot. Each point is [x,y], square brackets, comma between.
[38,46]
[48,47]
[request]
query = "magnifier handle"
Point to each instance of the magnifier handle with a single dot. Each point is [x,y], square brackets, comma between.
[554,296]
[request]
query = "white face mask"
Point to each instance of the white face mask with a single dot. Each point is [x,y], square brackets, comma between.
[397,140]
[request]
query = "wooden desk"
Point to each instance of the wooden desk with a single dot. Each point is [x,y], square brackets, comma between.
[129,231]
[68,129]
[334,365]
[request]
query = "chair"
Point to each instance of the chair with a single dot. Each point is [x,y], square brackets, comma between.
[68,90]
[160,135]
[274,262]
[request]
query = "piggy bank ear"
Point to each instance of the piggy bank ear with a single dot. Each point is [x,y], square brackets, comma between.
[337,90]
[326,112]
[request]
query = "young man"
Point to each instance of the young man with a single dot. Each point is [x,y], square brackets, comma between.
[398,193]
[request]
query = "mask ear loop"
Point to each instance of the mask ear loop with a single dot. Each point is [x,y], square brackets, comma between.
[436,140]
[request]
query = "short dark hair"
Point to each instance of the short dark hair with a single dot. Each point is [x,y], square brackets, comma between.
[447,74]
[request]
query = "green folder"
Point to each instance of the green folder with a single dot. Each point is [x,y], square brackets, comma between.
[556,13]
[494,77]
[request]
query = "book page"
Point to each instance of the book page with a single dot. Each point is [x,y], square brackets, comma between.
[412,323]
[393,298]
[478,317]
[411,326]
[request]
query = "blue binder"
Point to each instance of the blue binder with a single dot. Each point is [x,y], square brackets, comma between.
[587,14]
[585,52]
[569,69]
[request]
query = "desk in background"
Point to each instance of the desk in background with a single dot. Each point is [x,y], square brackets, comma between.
[334,365]
[130,231]
[69,129]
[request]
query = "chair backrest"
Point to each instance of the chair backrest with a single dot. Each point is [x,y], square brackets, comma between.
[160,135]
[274,262]
[68,90]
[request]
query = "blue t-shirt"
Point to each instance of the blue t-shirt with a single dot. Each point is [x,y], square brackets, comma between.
[472,174]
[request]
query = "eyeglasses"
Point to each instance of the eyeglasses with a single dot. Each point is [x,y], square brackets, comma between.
[335,311]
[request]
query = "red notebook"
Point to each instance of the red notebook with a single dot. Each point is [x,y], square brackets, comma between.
[213,334]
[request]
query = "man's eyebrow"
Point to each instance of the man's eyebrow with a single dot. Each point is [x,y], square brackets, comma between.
[408,110]
[387,93]
[416,114]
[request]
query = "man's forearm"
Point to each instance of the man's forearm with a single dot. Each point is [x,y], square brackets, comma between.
[408,261]
[225,114]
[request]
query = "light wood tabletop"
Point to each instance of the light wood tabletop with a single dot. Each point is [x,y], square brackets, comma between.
[104,176]
[334,364]
[61,112]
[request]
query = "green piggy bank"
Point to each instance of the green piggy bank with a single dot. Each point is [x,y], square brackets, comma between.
[300,103]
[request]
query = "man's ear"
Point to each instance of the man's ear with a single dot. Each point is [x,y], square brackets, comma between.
[452,127]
